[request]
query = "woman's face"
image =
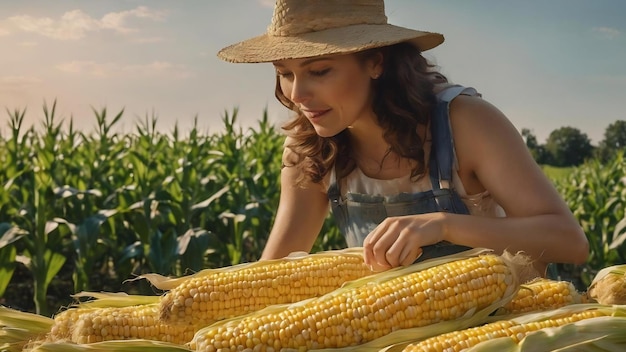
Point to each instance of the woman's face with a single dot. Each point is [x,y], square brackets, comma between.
[333,92]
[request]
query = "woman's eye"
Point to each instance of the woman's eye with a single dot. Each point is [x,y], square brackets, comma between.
[284,74]
[320,73]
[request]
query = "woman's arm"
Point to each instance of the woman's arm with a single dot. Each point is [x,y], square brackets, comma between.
[492,156]
[300,216]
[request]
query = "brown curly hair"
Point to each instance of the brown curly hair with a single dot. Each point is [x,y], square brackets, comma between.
[403,100]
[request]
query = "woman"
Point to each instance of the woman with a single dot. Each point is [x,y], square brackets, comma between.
[412,167]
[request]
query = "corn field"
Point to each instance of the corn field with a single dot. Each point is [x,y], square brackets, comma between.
[596,194]
[87,211]
[84,212]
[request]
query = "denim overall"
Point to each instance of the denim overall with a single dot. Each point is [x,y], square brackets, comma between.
[358,214]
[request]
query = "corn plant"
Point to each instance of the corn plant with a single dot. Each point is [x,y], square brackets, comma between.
[43,245]
[596,194]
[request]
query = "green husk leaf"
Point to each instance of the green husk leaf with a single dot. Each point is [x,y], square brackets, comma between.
[111,346]
[168,283]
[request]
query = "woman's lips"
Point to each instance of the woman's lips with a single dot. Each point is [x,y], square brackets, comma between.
[315,114]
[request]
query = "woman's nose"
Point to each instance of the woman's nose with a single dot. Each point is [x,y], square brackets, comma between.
[299,91]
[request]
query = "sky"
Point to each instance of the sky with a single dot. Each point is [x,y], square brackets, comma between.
[545,63]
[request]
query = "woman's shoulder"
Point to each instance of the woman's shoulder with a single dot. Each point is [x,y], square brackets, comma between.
[480,128]
[473,106]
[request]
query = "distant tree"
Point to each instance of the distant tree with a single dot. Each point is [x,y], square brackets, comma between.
[614,141]
[537,150]
[568,147]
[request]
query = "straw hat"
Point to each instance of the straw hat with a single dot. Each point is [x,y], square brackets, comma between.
[308,28]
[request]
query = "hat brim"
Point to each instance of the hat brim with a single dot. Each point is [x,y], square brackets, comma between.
[343,40]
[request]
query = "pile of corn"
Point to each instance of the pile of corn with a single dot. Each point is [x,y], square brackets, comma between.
[332,301]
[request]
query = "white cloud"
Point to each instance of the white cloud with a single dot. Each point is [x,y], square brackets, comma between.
[607,32]
[76,24]
[107,70]
[4,32]
[28,44]
[71,26]
[116,20]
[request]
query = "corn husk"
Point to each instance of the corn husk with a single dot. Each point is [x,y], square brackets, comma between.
[609,285]
[18,328]
[113,299]
[110,346]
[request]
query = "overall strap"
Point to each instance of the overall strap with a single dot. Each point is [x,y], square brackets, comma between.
[442,152]
[334,191]
[442,149]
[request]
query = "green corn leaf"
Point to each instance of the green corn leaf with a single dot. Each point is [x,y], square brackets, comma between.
[54,262]
[7,266]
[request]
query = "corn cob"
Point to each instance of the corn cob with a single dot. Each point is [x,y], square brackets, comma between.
[65,320]
[135,322]
[216,294]
[541,294]
[368,309]
[460,340]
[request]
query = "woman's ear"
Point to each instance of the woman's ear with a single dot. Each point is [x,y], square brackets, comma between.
[375,65]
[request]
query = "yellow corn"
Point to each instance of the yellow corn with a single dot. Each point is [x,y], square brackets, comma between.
[368,309]
[63,322]
[541,294]
[460,340]
[217,294]
[135,322]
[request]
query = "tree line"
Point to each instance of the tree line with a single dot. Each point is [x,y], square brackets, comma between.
[568,146]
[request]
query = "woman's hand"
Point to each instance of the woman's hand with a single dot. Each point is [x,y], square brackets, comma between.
[398,240]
